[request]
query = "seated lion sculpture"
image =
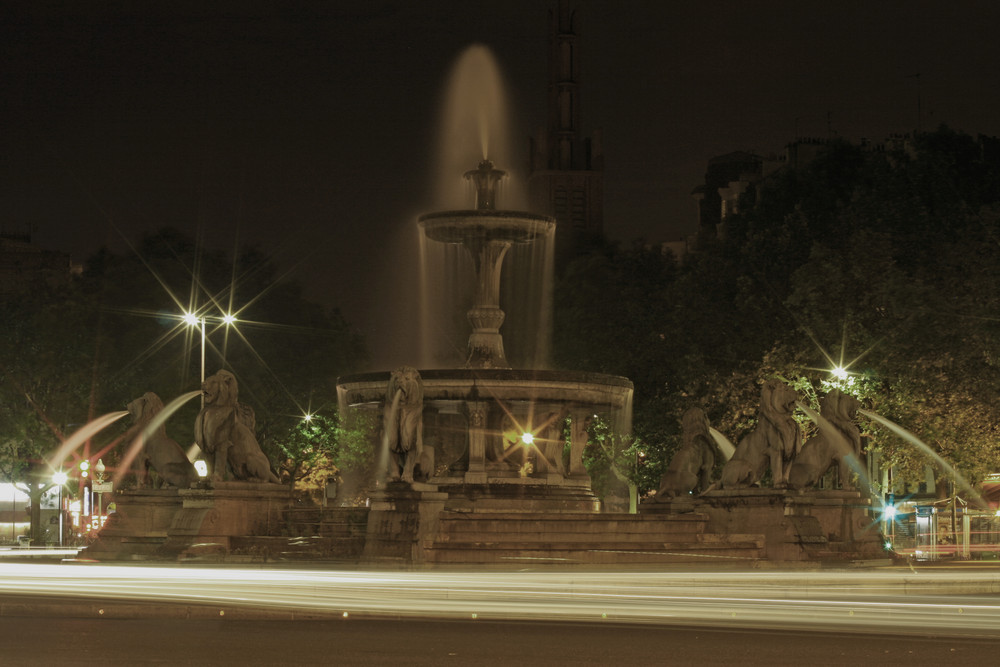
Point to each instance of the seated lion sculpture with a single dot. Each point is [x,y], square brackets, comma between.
[691,467]
[160,452]
[775,440]
[838,439]
[224,429]
[403,427]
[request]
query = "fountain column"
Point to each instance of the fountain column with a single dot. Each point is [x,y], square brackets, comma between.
[476,471]
[486,234]
[485,316]
[579,418]
[485,342]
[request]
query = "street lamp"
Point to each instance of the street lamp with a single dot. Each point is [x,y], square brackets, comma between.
[59,478]
[195,321]
[199,321]
[99,487]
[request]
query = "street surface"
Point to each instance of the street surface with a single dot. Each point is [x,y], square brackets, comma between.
[92,613]
[899,600]
[61,641]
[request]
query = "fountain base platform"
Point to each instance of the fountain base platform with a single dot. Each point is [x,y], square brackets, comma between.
[818,526]
[189,524]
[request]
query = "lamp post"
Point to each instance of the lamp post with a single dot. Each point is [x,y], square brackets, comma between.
[199,321]
[195,321]
[59,478]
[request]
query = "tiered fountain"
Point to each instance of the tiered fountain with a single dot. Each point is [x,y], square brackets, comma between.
[511,423]
[511,420]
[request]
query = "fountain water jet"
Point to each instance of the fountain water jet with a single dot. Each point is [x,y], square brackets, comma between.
[922,446]
[843,447]
[722,442]
[83,434]
[140,439]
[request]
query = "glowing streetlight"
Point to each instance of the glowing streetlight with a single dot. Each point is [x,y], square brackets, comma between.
[527,438]
[193,320]
[839,372]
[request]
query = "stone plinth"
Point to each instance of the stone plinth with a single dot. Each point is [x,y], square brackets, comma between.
[139,527]
[402,522]
[526,494]
[679,505]
[209,518]
[797,525]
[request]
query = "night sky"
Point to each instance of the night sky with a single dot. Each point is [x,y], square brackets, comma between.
[310,128]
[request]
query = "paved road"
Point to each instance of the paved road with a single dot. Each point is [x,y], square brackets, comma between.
[95,614]
[101,641]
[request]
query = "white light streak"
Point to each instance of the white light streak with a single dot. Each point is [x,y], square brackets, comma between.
[874,601]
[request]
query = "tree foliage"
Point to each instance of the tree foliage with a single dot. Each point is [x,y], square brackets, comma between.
[884,261]
[67,357]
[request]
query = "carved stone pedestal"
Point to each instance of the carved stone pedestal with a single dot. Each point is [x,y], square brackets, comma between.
[402,522]
[209,518]
[138,528]
[797,525]
[549,493]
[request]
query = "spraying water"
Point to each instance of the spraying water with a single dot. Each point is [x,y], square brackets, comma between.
[83,434]
[154,424]
[960,481]
[842,445]
[383,453]
[723,443]
[474,123]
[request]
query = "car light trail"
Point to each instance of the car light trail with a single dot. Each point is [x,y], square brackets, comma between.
[925,602]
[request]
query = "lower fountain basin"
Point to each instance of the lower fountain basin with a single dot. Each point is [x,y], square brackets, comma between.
[579,389]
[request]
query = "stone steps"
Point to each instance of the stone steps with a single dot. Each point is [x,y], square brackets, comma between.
[330,522]
[586,539]
[483,553]
[582,526]
[298,548]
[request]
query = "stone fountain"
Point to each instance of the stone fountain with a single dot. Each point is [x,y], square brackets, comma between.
[510,422]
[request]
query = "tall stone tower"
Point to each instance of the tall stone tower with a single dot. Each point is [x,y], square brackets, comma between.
[567,169]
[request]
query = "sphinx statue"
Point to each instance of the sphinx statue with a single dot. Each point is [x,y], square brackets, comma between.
[691,467]
[775,441]
[837,440]
[224,429]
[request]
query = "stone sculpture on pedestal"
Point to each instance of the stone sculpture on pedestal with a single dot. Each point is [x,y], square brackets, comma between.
[224,429]
[691,467]
[838,439]
[403,424]
[160,452]
[775,441]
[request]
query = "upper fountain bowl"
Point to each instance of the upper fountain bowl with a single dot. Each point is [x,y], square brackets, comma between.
[485,225]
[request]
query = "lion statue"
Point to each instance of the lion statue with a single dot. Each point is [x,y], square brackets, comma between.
[776,440]
[224,429]
[691,467]
[403,427]
[836,441]
[160,452]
